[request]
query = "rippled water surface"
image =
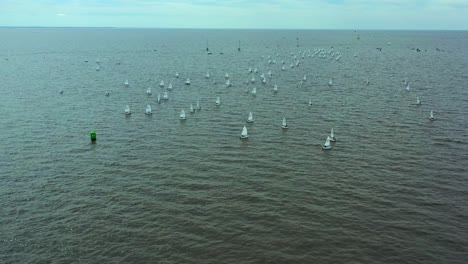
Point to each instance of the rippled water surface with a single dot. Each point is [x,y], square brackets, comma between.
[153,189]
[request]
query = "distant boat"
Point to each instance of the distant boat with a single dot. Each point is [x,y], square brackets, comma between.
[177,75]
[304,78]
[332,136]
[254,91]
[127,110]
[182,115]
[418,102]
[159,98]
[187,82]
[165,96]
[191,109]
[255,70]
[406,81]
[198,106]
[244,134]
[169,87]
[148,110]
[327,144]
[407,87]
[264,81]
[291,65]
[228,83]
[148,91]
[310,101]
[161,84]
[269,73]
[250,69]
[226,75]
[330,82]
[367,81]
[207,76]
[250,119]
[61,91]
[98,67]
[275,88]
[252,80]
[262,76]
[283,68]
[218,101]
[126,83]
[431,116]
[284,125]
[108,93]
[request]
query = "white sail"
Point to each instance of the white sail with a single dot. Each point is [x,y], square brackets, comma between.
[275,88]
[182,114]
[250,69]
[191,109]
[304,78]
[310,101]
[269,73]
[207,75]
[332,136]
[98,67]
[159,98]
[244,133]
[431,116]
[170,86]
[161,83]
[252,80]
[418,102]
[284,125]
[250,119]
[263,80]
[165,96]
[148,91]
[330,82]
[126,83]
[327,145]
[283,68]
[187,82]
[407,87]
[198,105]
[226,75]
[218,101]
[127,110]
[228,83]
[256,70]
[177,75]
[148,110]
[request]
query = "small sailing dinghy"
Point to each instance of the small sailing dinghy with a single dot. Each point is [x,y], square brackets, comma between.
[198,106]
[126,83]
[187,82]
[431,116]
[228,83]
[327,145]
[304,78]
[332,136]
[127,110]
[284,125]
[165,96]
[218,101]
[191,109]
[252,80]
[310,101]
[161,84]
[275,88]
[226,75]
[250,119]
[254,91]
[169,87]
[177,74]
[418,102]
[182,115]
[207,76]
[159,98]
[330,82]
[244,134]
[148,91]
[148,110]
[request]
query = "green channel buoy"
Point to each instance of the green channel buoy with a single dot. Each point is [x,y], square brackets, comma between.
[93,136]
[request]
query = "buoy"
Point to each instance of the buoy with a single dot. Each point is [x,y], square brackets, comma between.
[93,136]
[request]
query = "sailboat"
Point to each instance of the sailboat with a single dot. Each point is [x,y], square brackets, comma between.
[327,145]
[191,109]
[218,101]
[161,84]
[269,73]
[310,101]
[244,134]
[431,116]
[148,91]
[264,81]
[177,74]
[169,87]
[330,82]
[198,106]
[207,49]
[228,83]
[250,69]
[254,91]
[108,93]
[252,80]
[255,70]
[418,102]
[226,75]
[275,88]
[148,110]
[182,115]
[98,67]
[367,81]
[127,110]
[207,76]
[407,87]
[126,83]
[250,119]
[187,82]
[332,136]
[283,68]
[304,78]
[284,125]
[165,96]
[159,98]
[239,49]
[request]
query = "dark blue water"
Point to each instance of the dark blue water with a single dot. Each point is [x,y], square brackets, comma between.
[153,189]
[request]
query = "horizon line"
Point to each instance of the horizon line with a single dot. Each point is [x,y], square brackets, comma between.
[344,29]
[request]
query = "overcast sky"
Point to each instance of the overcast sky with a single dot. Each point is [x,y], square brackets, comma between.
[300,14]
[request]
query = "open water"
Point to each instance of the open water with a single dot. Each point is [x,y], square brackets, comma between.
[153,189]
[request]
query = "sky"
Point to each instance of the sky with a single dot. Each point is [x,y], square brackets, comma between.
[269,14]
